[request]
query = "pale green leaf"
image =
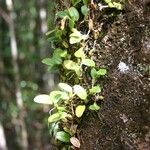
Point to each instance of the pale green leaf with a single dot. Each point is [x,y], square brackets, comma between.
[80,91]
[71,65]
[63,136]
[95,89]
[80,110]
[80,53]
[88,62]
[65,87]
[94,107]
[43,99]
[84,10]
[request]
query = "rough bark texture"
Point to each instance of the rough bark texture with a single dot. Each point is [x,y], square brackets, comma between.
[123,121]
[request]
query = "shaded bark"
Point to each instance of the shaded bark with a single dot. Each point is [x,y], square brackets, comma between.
[20,125]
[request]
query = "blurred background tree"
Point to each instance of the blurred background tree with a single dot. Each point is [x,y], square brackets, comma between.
[23,24]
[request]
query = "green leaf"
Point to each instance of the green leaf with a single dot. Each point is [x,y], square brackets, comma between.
[80,53]
[71,23]
[63,136]
[93,73]
[75,2]
[101,72]
[56,96]
[95,89]
[94,107]
[62,14]
[73,13]
[96,74]
[85,2]
[43,99]
[59,53]
[57,116]
[80,92]
[84,10]
[47,61]
[88,62]
[65,87]
[80,110]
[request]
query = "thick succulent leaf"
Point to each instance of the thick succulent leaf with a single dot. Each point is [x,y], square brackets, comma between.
[80,110]
[43,99]
[65,87]
[80,91]
[63,136]
[56,96]
[57,116]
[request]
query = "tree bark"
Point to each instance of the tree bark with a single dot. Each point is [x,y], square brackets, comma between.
[14,52]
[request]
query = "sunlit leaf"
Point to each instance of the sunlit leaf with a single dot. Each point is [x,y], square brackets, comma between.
[94,107]
[95,89]
[80,110]
[88,62]
[63,136]
[80,91]
[56,96]
[65,87]
[43,99]
[75,142]
[76,36]
[101,72]
[71,65]
[80,53]
[57,116]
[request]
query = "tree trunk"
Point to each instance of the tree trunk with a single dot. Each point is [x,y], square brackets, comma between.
[14,52]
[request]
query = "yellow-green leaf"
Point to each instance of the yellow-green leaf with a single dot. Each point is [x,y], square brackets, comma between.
[95,89]
[80,110]
[80,53]
[94,107]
